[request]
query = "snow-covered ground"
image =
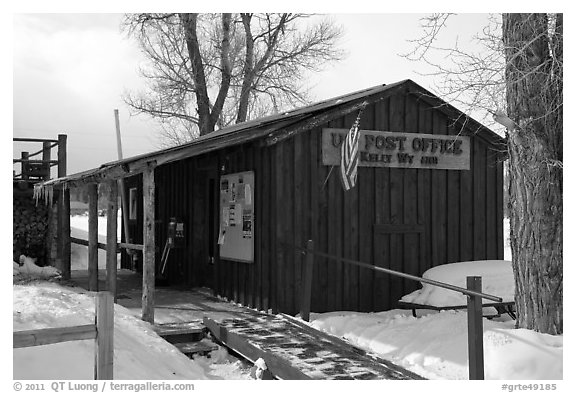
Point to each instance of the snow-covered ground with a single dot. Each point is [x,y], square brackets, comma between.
[139,353]
[79,229]
[433,345]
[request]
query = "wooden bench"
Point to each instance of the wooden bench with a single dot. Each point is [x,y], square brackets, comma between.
[501,308]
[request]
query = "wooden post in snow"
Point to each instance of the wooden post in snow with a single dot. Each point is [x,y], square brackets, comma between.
[92,237]
[112,237]
[475,330]
[148,269]
[104,362]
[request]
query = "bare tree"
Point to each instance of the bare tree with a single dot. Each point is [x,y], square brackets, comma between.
[207,71]
[516,77]
[534,68]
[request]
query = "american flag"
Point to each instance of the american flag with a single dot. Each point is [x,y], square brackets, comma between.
[349,155]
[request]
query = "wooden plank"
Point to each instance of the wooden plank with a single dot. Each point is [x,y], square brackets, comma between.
[411,250]
[104,363]
[277,366]
[397,202]
[500,208]
[279,207]
[149,258]
[350,241]
[64,211]
[318,221]
[306,289]
[439,208]
[47,157]
[479,200]
[198,233]
[128,246]
[288,175]
[424,195]
[192,185]
[84,242]
[272,233]
[335,234]
[299,217]
[265,227]
[491,230]
[36,337]
[466,236]
[92,236]
[34,140]
[382,229]
[112,237]
[178,329]
[381,244]
[366,219]
[298,352]
[453,210]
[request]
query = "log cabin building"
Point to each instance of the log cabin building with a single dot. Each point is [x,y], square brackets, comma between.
[237,206]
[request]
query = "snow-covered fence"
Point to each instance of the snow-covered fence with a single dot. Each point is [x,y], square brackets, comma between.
[473,291]
[102,331]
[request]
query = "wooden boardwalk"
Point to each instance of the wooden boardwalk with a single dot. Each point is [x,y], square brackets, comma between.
[290,348]
[293,350]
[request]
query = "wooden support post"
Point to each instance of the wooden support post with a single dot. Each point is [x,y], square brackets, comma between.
[64,213]
[475,330]
[46,157]
[92,237]
[307,282]
[104,362]
[112,237]
[148,268]
[25,165]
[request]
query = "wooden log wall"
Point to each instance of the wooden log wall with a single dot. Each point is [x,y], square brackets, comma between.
[403,219]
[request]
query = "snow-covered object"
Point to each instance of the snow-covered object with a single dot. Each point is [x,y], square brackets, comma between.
[15,269]
[257,371]
[28,267]
[497,279]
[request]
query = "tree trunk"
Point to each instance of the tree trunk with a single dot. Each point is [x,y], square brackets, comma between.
[189,23]
[534,99]
[247,72]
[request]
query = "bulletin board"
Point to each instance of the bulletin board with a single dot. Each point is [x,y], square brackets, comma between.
[236,233]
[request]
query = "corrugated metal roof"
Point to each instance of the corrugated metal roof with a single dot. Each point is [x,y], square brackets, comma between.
[251,130]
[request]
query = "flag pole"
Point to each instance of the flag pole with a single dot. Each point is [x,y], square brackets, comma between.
[121,182]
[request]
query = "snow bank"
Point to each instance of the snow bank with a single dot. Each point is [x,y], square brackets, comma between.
[497,279]
[139,353]
[435,345]
[79,229]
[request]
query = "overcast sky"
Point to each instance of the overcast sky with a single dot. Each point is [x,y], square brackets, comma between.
[70,70]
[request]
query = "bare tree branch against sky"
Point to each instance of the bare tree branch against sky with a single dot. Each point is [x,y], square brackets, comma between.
[70,71]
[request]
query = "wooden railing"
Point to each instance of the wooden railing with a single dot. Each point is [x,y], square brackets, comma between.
[102,331]
[473,291]
[39,169]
